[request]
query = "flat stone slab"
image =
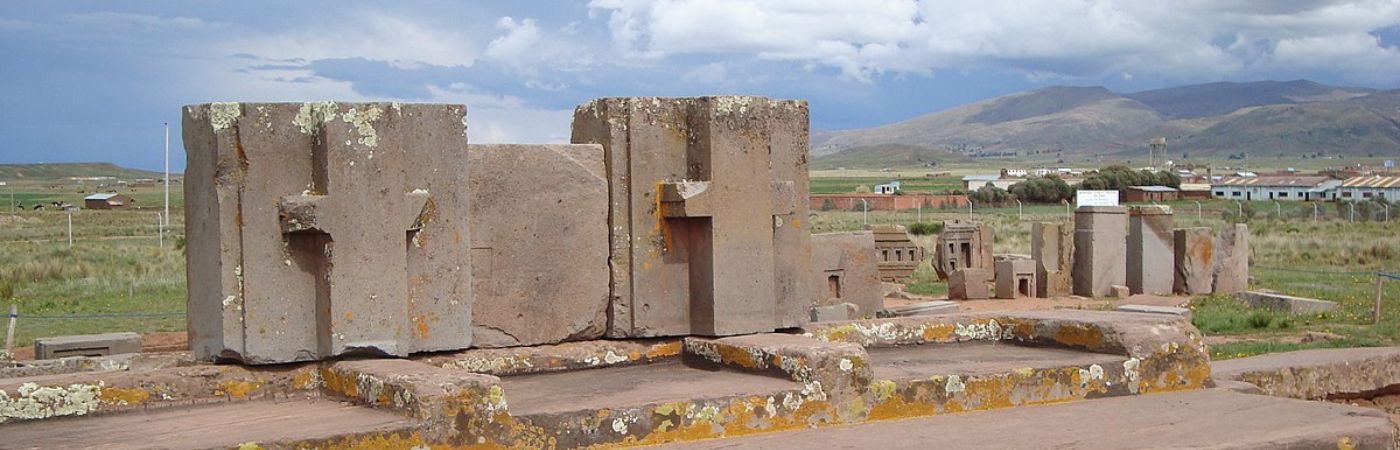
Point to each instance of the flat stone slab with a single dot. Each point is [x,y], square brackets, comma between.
[1287,303]
[612,388]
[925,308]
[911,362]
[87,345]
[207,426]
[1154,309]
[1316,374]
[1197,419]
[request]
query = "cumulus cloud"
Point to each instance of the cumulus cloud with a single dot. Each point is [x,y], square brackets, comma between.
[374,36]
[1045,39]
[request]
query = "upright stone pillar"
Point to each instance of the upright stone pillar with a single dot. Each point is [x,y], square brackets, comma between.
[1231,263]
[708,213]
[1100,249]
[324,229]
[1150,243]
[1052,248]
[1194,250]
[845,271]
[963,245]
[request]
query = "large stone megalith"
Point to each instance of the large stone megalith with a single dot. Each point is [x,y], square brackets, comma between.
[324,229]
[1195,260]
[707,214]
[1231,264]
[1052,248]
[539,218]
[1100,249]
[1150,255]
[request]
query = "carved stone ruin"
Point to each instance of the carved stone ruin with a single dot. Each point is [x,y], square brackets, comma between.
[1231,263]
[898,256]
[963,245]
[968,284]
[1015,278]
[325,229]
[1100,249]
[1150,241]
[1194,250]
[1052,248]
[843,265]
[539,243]
[707,228]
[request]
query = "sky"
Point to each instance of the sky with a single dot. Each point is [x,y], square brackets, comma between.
[95,80]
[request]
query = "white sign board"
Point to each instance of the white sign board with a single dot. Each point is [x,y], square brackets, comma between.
[1095,198]
[1389,164]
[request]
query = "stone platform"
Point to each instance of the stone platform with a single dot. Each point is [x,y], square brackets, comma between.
[609,393]
[1200,419]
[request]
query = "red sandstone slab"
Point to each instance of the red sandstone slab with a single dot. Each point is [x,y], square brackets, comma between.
[1197,419]
[621,387]
[972,358]
[207,426]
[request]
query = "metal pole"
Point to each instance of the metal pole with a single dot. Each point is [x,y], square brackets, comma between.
[166,219]
[1314,212]
[864,212]
[1376,318]
[1387,212]
[70,228]
[1278,210]
[10,332]
[1198,210]
[1240,206]
[160,231]
[1353,211]
[969,209]
[920,217]
[1018,209]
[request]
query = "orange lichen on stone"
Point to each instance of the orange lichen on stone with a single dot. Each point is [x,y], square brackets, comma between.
[124,396]
[663,350]
[1079,335]
[736,356]
[938,333]
[237,388]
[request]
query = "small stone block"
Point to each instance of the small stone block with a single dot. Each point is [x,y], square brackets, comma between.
[1119,291]
[829,313]
[1015,278]
[968,284]
[1286,303]
[925,309]
[87,345]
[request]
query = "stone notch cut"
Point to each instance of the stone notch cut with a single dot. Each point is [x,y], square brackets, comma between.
[325,229]
[1052,248]
[963,245]
[707,230]
[539,221]
[1150,241]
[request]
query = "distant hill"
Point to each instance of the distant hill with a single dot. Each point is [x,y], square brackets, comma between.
[885,155]
[1259,118]
[57,171]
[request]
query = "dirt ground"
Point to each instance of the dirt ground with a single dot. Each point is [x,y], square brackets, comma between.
[1035,304]
[151,343]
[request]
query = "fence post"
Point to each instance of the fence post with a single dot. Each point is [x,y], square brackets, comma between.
[10,332]
[1376,317]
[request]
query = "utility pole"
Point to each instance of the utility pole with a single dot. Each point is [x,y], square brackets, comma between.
[160,231]
[70,227]
[166,219]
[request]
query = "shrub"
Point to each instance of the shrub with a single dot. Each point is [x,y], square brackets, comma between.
[925,228]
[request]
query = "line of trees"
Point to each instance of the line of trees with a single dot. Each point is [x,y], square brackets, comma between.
[1052,189]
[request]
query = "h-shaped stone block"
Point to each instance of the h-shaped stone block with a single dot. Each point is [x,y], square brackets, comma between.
[708,232]
[325,229]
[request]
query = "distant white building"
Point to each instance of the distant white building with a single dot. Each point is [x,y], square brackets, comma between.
[1367,188]
[1013,173]
[1275,188]
[887,188]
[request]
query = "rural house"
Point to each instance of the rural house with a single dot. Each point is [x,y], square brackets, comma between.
[106,201]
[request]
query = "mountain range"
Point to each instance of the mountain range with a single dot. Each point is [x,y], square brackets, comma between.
[1263,118]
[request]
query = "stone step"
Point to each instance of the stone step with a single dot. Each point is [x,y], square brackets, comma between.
[224,425]
[1196,419]
[632,386]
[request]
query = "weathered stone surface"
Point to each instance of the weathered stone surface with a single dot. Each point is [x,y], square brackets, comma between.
[925,309]
[1194,250]
[1100,249]
[1202,419]
[1016,278]
[707,213]
[1154,309]
[1150,243]
[963,245]
[1286,303]
[839,311]
[898,256]
[539,243]
[556,358]
[1119,291]
[87,345]
[1052,248]
[323,229]
[844,266]
[968,284]
[1231,270]
[1316,374]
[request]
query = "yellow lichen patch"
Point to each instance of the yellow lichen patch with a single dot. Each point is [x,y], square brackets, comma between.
[896,407]
[237,388]
[664,350]
[1077,335]
[737,356]
[306,379]
[124,396]
[938,332]
[840,333]
[420,327]
[393,441]
[1345,444]
[335,383]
